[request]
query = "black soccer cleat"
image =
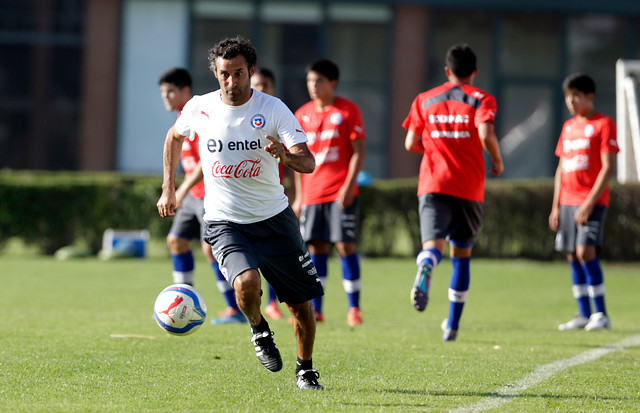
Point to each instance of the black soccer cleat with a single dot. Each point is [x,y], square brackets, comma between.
[308,380]
[267,351]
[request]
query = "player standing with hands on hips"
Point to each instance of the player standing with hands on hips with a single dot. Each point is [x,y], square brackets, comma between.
[327,199]
[450,125]
[249,222]
[587,150]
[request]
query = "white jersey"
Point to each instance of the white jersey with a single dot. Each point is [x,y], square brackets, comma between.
[241,179]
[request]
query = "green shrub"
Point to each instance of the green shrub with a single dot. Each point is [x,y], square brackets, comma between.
[51,210]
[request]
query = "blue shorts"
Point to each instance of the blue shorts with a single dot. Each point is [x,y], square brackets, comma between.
[329,222]
[449,217]
[273,246]
[188,223]
[571,234]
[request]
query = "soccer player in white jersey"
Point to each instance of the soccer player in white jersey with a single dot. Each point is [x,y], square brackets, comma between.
[249,222]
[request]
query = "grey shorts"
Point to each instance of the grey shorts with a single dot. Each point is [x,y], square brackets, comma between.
[449,217]
[328,222]
[273,246]
[188,223]
[571,234]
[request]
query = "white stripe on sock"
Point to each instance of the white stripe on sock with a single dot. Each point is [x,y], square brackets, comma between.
[596,290]
[579,290]
[457,296]
[183,277]
[351,286]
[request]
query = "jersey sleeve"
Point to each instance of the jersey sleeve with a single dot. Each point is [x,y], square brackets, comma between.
[609,142]
[184,125]
[487,111]
[289,130]
[357,125]
[414,121]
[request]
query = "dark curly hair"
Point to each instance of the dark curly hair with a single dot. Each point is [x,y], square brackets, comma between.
[228,48]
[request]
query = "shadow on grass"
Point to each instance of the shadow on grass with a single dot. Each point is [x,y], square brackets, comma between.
[474,395]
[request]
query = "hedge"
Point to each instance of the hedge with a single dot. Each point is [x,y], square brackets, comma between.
[51,210]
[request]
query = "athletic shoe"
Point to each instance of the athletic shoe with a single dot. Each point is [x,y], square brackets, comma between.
[227,312]
[272,311]
[308,380]
[576,323]
[267,351]
[237,318]
[598,321]
[447,333]
[354,316]
[420,290]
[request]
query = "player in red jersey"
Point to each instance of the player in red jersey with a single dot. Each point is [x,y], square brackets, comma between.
[175,87]
[587,150]
[327,199]
[450,125]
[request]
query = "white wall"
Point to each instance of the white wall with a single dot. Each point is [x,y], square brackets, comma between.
[155,37]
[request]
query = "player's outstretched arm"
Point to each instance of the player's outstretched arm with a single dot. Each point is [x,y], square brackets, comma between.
[170,157]
[299,158]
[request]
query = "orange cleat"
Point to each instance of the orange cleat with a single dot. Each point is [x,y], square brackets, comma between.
[354,316]
[272,311]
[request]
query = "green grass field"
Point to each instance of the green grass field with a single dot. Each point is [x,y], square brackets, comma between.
[64,344]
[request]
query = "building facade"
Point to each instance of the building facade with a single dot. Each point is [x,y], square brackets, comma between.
[78,79]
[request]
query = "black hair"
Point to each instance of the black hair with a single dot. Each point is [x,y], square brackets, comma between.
[461,60]
[267,73]
[228,48]
[176,76]
[580,82]
[326,68]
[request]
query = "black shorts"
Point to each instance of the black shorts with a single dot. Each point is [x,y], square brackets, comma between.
[449,217]
[188,223]
[329,222]
[273,246]
[571,234]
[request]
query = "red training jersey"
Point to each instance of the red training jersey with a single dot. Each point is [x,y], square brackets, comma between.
[581,144]
[447,119]
[330,133]
[189,158]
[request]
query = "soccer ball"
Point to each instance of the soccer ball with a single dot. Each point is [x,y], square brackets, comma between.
[180,309]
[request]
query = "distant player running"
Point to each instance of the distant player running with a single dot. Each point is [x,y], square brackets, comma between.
[450,125]
[587,150]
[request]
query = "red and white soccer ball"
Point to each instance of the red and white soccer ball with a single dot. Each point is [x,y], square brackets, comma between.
[180,309]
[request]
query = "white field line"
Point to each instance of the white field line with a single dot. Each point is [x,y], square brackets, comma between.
[508,392]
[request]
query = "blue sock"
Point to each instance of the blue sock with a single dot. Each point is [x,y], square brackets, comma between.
[320,261]
[225,289]
[458,287]
[431,256]
[272,294]
[596,284]
[579,288]
[351,279]
[183,266]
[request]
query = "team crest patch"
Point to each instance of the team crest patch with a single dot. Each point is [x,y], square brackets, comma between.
[258,121]
[336,118]
[589,130]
